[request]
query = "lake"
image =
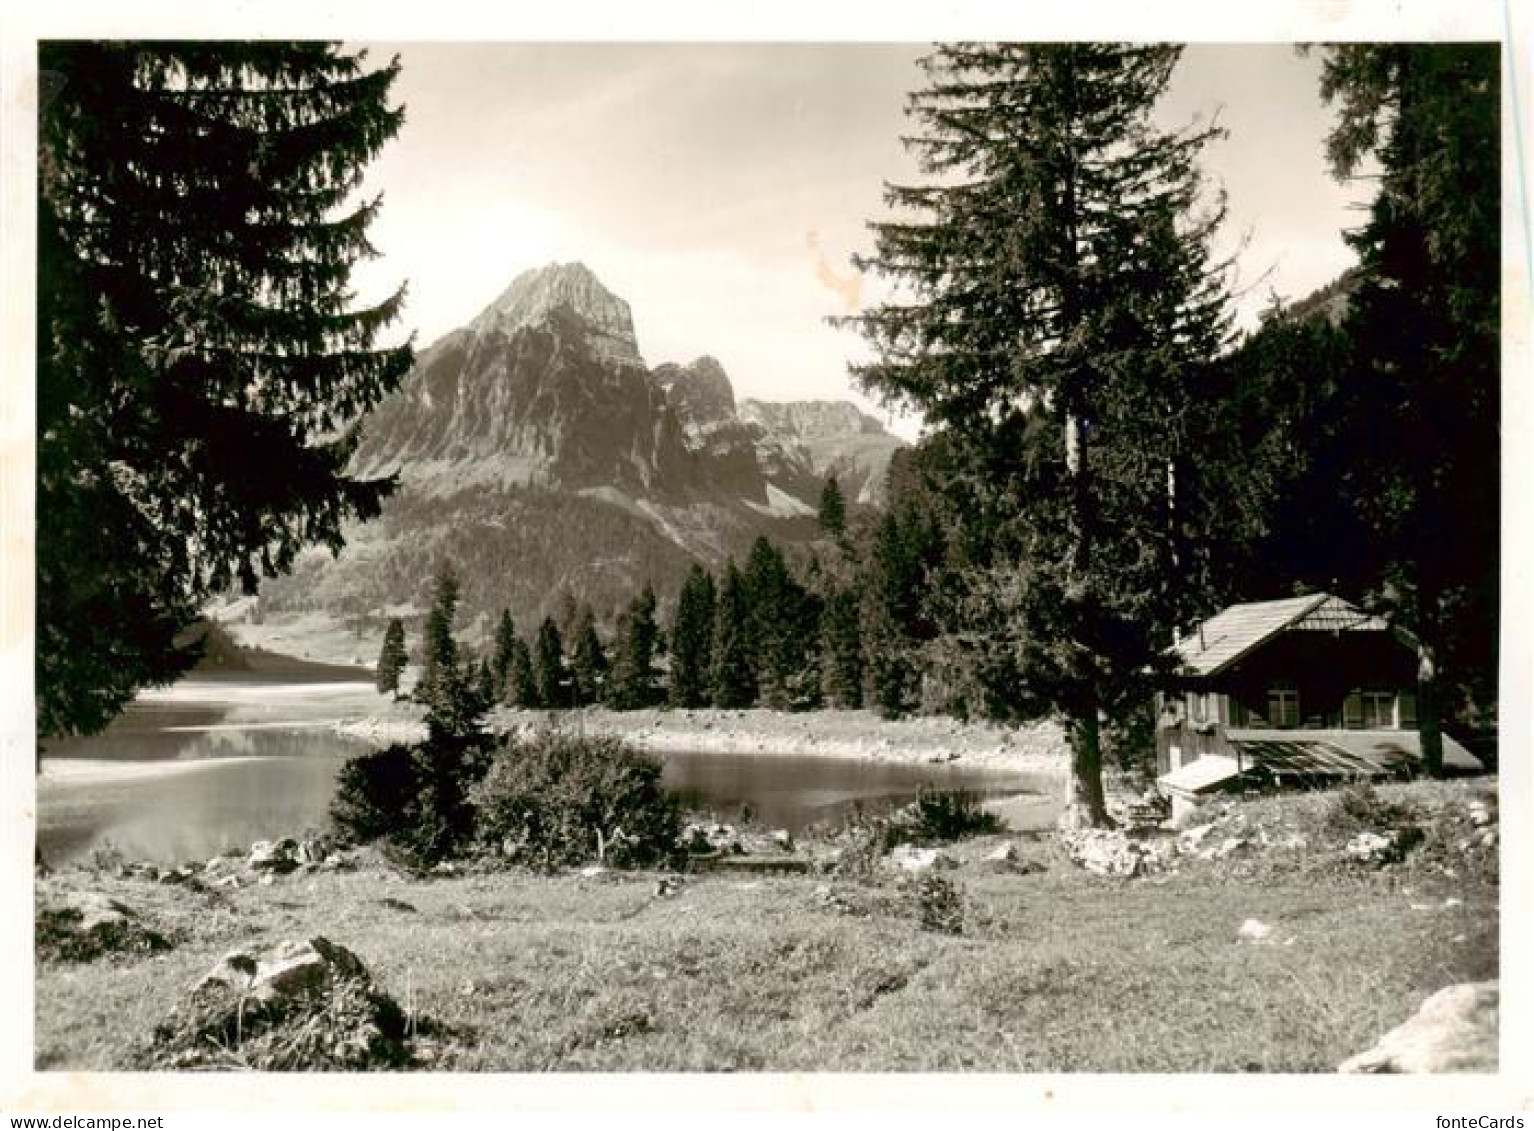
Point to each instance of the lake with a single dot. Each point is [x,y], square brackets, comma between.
[222,760]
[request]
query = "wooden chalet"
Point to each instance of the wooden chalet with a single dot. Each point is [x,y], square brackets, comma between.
[1300,689]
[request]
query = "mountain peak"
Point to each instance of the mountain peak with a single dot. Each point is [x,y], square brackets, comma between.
[536,294]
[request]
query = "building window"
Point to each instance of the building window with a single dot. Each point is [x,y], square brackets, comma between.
[1370,710]
[1283,707]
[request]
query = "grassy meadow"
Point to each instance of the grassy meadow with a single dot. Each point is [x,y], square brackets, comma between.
[1053,970]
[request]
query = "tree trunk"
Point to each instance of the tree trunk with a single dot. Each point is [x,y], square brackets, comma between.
[1429,732]
[1084,806]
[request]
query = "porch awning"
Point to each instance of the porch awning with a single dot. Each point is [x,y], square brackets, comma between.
[1341,753]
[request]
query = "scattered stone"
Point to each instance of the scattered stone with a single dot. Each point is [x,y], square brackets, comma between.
[81,926]
[667,886]
[230,881]
[1004,853]
[710,837]
[783,839]
[911,858]
[1454,1031]
[1376,849]
[1192,837]
[1111,852]
[1228,847]
[273,856]
[1254,931]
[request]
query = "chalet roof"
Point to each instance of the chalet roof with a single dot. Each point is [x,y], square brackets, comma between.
[1233,632]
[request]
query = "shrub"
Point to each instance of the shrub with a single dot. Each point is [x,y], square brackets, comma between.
[562,798]
[413,797]
[943,815]
[1358,809]
[940,905]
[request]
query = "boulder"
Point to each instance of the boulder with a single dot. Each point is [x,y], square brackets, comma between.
[1004,853]
[81,926]
[1454,1031]
[289,969]
[273,856]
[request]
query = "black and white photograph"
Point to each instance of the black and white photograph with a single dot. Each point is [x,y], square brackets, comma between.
[978,556]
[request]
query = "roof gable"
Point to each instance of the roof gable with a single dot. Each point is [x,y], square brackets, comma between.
[1238,630]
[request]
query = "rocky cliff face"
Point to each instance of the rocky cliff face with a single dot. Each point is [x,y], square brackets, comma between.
[801,443]
[536,449]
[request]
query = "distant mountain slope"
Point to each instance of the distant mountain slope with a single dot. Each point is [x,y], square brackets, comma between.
[536,449]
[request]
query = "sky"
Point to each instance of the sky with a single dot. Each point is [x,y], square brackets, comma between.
[722,188]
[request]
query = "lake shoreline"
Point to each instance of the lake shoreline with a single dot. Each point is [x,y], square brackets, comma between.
[1037,748]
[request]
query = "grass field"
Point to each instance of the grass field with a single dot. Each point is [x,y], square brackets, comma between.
[1057,970]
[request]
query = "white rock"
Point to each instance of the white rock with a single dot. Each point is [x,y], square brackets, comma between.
[1454,1031]
[1254,931]
[1192,837]
[1003,853]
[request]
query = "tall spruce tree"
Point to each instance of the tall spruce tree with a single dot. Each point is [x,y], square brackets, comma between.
[842,649]
[588,665]
[553,681]
[454,707]
[500,658]
[1424,327]
[201,366]
[439,650]
[1054,302]
[634,671]
[522,680]
[391,657]
[732,681]
[692,639]
[832,514]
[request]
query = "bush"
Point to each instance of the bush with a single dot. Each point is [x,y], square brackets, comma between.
[415,798]
[940,905]
[561,798]
[943,815]
[1359,809]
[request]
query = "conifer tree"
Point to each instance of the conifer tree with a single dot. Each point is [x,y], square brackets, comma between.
[691,639]
[439,650]
[201,365]
[500,660]
[842,648]
[454,707]
[782,629]
[522,681]
[731,679]
[634,673]
[1422,412]
[833,509]
[1054,304]
[549,672]
[392,657]
[589,665]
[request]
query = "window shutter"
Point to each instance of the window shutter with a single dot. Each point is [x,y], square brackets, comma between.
[1406,708]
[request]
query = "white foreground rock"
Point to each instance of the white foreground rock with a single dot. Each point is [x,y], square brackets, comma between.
[1454,1031]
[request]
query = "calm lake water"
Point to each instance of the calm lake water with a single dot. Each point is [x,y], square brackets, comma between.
[220,761]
